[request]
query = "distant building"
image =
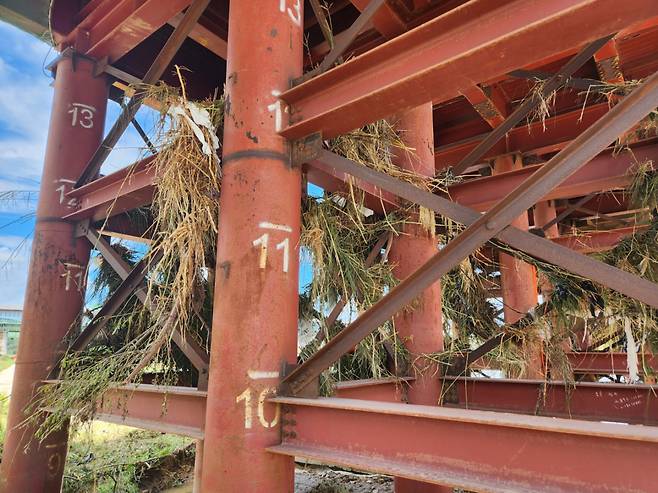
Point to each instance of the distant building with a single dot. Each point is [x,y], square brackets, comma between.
[10,327]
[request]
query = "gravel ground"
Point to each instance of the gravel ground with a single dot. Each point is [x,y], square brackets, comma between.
[319,479]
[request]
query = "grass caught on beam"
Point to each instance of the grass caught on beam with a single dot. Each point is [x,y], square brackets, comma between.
[185,212]
[339,233]
[339,238]
[643,191]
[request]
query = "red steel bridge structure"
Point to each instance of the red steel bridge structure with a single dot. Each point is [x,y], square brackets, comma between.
[457,74]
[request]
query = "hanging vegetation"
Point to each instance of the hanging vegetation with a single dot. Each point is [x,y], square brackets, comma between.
[180,262]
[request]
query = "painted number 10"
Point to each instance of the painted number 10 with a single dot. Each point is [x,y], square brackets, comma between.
[247,397]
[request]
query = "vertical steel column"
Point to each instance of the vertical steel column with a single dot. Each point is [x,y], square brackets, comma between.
[198,466]
[56,281]
[543,213]
[421,330]
[256,286]
[519,281]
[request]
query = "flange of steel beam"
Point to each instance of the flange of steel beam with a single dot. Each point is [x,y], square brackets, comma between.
[469,449]
[477,42]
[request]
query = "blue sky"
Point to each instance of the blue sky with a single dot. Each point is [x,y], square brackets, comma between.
[25,100]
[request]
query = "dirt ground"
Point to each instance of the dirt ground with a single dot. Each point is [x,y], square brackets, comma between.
[320,479]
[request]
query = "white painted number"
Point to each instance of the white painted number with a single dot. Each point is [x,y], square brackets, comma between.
[73,276]
[270,391]
[82,114]
[246,397]
[64,186]
[295,13]
[263,240]
[277,108]
[285,245]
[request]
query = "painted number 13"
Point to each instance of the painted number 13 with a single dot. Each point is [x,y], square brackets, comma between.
[82,115]
[295,13]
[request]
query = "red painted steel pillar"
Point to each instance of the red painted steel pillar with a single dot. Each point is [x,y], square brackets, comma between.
[519,281]
[256,286]
[421,330]
[543,213]
[56,281]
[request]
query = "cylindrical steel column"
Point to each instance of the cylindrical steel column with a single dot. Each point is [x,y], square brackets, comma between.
[198,466]
[56,280]
[543,213]
[420,330]
[518,281]
[256,286]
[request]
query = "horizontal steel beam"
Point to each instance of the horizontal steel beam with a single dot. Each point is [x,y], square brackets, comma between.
[177,410]
[118,192]
[373,389]
[637,404]
[545,136]
[604,172]
[609,363]
[472,450]
[596,241]
[112,28]
[128,24]
[478,41]
[133,186]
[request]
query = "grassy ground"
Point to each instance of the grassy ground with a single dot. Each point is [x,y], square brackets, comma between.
[108,458]
[6,362]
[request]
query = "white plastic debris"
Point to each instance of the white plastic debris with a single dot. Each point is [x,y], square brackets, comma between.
[198,117]
[631,352]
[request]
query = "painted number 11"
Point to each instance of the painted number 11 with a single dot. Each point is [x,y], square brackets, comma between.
[262,242]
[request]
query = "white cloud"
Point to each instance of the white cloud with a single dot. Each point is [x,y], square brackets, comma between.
[25,101]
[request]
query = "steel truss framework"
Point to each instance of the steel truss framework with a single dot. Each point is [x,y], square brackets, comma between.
[457,444]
